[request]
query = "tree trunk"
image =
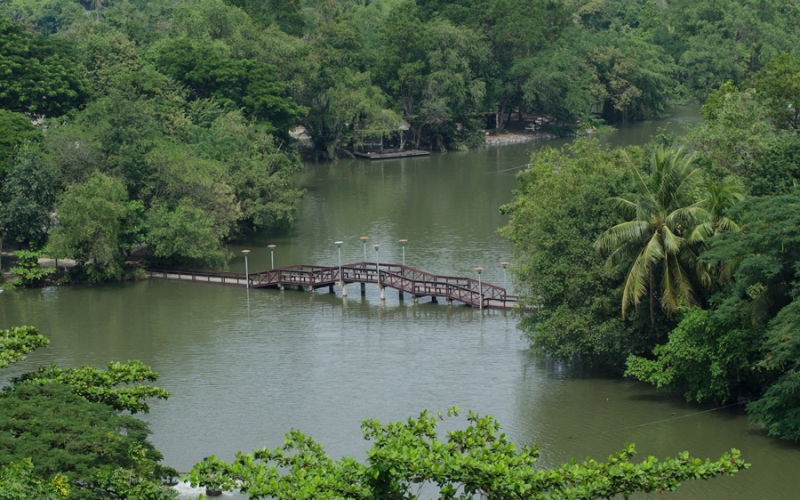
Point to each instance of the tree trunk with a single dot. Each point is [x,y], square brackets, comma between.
[501,112]
[652,301]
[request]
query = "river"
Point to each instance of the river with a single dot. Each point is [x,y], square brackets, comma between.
[244,368]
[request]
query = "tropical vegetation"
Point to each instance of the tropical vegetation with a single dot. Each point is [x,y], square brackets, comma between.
[163,129]
[696,234]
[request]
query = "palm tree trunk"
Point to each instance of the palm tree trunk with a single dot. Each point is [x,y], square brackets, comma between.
[652,301]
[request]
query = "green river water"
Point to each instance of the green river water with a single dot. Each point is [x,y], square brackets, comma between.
[244,368]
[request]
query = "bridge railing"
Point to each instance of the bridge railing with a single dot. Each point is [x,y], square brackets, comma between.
[404,278]
[202,275]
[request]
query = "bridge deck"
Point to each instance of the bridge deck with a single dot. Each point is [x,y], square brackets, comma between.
[403,278]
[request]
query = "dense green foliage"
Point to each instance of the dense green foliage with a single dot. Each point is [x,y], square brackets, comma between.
[63,433]
[170,121]
[477,461]
[712,236]
[17,342]
[28,272]
[17,482]
[560,208]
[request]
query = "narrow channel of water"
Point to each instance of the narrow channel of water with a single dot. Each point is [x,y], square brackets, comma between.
[246,367]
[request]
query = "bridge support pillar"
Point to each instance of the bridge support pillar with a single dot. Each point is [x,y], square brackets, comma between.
[311,289]
[383,292]
[400,295]
[344,288]
[280,287]
[449,302]
[363,288]
[330,288]
[416,299]
[434,300]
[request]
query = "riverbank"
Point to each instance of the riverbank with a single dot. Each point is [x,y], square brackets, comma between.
[509,138]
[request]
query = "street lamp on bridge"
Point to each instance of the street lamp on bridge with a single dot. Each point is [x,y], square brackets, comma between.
[480,288]
[377,247]
[272,254]
[339,250]
[246,270]
[364,241]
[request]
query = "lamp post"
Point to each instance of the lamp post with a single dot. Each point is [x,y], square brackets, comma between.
[403,243]
[339,249]
[378,267]
[377,246]
[272,254]
[505,265]
[480,288]
[246,270]
[364,241]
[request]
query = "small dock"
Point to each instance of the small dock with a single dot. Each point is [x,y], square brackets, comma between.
[373,155]
[404,279]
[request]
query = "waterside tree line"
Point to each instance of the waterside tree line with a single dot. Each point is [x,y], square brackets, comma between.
[167,124]
[677,262]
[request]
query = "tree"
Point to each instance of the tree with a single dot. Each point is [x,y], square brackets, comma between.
[746,344]
[92,223]
[778,409]
[210,71]
[655,244]
[740,136]
[560,207]
[41,76]
[28,272]
[66,435]
[779,86]
[477,461]
[710,355]
[16,130]
[185,234]
[67,423]
[100,386]
[29,194]
[259,172]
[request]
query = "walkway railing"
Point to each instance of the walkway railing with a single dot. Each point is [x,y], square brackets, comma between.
[402,278]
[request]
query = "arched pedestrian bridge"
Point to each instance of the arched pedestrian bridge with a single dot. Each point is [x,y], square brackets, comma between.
[404,279]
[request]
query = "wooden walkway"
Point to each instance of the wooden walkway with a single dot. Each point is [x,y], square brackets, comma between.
[402,278]
[396,154]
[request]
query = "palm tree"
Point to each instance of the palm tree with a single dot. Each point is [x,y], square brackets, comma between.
[656,242]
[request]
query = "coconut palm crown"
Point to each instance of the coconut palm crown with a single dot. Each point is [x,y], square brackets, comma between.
[656,244]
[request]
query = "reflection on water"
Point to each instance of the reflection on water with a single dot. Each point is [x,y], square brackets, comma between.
[245,367]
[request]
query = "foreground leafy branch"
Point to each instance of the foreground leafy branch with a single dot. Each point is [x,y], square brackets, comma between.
[99,386]
[478,460]
[19,341]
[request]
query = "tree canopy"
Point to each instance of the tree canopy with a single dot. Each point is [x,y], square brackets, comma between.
[478,460]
